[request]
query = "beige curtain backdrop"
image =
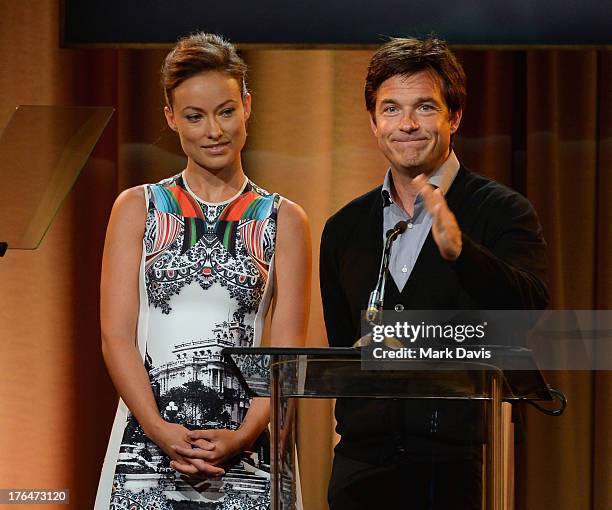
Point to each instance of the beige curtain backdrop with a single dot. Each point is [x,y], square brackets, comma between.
[537,120]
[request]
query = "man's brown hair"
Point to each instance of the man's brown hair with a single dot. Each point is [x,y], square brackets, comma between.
[407,56]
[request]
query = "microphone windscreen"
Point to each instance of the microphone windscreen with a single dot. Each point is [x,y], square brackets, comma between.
[400,226]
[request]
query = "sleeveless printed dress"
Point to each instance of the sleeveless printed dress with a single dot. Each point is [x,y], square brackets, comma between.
[205,284]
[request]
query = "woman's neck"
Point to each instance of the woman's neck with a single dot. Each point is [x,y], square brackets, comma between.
[216,186]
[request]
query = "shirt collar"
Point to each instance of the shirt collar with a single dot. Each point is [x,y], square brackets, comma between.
[442,178]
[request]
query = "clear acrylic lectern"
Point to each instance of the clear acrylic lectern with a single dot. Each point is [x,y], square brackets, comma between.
[287,373]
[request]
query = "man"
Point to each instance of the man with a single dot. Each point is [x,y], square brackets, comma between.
[471,243]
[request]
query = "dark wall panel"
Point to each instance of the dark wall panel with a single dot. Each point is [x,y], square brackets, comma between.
[338,21]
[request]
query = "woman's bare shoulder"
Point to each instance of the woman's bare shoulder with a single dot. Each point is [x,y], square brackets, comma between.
[291,214]
[130,208]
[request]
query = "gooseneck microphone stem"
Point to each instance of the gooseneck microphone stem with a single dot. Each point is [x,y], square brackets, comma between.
[377,296]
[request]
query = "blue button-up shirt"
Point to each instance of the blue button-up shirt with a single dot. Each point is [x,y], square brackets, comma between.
[406,248]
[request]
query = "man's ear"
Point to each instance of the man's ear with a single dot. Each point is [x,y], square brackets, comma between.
[169,114]
[455,120]
[373,125]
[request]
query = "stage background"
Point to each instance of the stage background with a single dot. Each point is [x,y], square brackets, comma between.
[538,120]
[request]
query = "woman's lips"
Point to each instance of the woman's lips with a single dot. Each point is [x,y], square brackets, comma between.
[217,148]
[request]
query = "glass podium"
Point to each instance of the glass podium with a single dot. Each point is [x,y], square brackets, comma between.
[42,150]
[285,374]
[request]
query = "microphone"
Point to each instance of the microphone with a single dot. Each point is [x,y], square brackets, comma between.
[399,228]
[377,296]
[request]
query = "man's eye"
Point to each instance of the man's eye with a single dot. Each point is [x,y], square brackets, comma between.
[390,109]
[428,108]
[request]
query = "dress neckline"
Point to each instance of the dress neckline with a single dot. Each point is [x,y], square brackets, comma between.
[224,202]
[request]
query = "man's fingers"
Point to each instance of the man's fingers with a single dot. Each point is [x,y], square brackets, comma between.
[440,216]
[419,181]
[431,196]
[435,210]
[425,189]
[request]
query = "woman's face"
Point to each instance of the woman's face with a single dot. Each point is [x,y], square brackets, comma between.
[210,114]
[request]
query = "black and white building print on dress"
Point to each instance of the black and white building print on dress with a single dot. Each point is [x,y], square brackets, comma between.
[199,390]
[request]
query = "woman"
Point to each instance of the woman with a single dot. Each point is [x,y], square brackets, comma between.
[190,266]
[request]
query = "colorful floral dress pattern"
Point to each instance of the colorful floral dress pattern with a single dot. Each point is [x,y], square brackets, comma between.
[205,284]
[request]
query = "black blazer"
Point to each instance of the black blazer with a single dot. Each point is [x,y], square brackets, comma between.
[502,265]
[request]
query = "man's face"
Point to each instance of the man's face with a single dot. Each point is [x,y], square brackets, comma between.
[412,123]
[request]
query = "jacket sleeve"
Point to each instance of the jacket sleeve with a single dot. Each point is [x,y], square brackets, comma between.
[509,270]
[336,308]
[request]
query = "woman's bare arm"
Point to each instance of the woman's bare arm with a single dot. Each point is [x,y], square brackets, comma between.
[119,307]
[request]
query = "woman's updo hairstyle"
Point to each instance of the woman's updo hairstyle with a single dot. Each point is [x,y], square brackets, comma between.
[198,53]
